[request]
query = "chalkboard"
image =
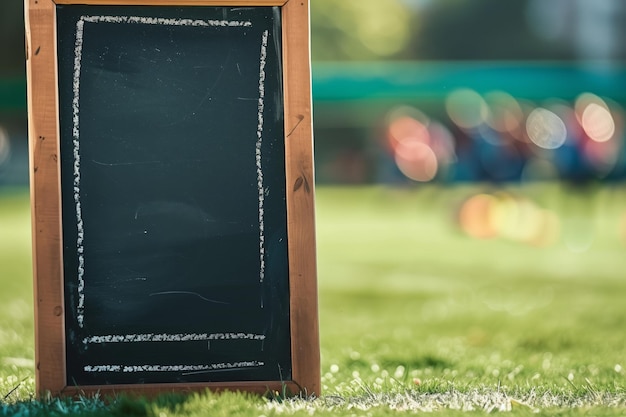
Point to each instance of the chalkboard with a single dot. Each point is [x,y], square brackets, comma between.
[174,227]
[175,200]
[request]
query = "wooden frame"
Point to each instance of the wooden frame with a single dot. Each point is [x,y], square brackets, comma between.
[45,179]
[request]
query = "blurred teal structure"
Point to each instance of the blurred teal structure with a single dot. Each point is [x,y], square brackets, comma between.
[420,81]
[424,81]
[355,105]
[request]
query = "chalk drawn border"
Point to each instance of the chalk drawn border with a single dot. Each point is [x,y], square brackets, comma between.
[167,337]
[78,48]
[184,369]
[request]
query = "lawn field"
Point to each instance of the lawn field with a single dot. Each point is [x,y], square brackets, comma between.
[458,301]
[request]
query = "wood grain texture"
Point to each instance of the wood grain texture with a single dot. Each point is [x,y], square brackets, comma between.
[301,196]
[45,195]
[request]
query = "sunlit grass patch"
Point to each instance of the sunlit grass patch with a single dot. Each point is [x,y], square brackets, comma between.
[416,315]
[16,306]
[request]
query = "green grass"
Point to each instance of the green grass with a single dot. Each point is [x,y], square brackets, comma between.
[415,315]
[16,304]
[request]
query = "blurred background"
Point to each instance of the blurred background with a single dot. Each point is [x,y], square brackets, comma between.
[408,92]
[483,90]
[471,203]
[414,91]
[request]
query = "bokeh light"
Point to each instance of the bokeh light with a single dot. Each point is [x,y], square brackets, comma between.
[467,109]
[416,160]
[514,218]
[600,146]
[595,117]
[356,29]
[475,216]
[549,229]
[546,129]
[500,138]
[598,122]
[384,33]
[419,146]
[407,125]
[505,113]
[442,143]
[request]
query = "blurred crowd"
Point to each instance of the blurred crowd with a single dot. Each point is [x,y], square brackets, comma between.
[496,137]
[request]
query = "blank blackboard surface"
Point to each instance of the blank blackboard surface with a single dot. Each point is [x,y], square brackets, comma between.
[173,193]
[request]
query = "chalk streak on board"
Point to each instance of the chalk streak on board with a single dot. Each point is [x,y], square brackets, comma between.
[78,51]
[177,337]
[187,369]
[153,162]
[166,22]
[78,48]
[188,293]
[117,164]
[259,167]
